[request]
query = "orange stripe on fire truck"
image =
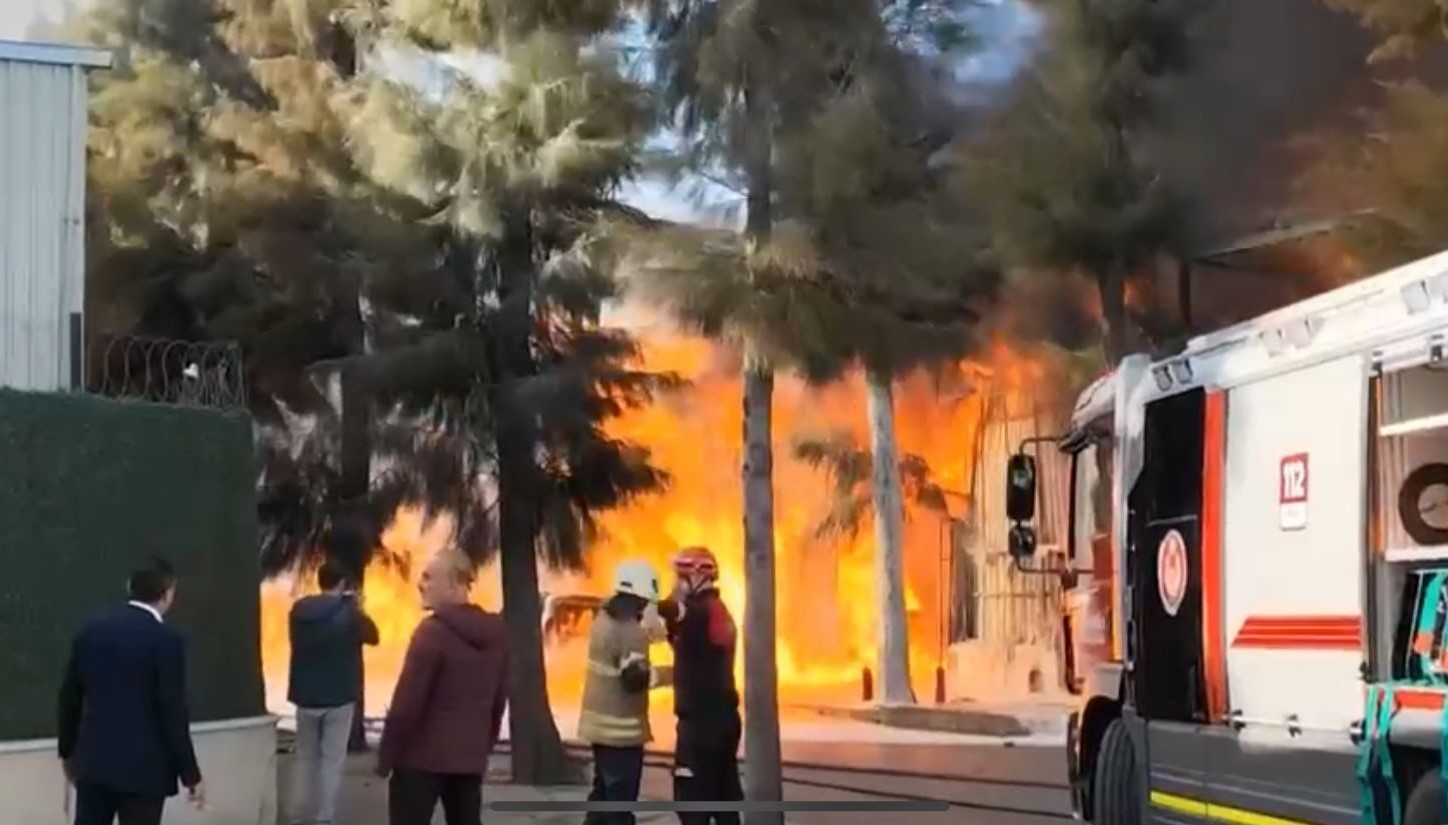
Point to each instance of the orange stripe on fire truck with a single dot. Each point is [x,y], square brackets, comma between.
[1300,632]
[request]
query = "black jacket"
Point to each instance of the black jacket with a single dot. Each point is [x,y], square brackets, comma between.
[124,724]
[327,634]
[703,636]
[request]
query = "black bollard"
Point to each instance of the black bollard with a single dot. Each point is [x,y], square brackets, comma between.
[939,685]
[867,685]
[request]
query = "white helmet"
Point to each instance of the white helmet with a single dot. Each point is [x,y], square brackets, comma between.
[636,578]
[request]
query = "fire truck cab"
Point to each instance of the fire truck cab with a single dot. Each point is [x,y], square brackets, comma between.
[1259,531]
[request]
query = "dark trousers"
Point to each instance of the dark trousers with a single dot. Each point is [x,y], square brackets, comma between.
[706,766]
[617,774]
[95,805]
[412,796]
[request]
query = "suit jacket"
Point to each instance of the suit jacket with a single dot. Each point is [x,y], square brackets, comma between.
[124,724]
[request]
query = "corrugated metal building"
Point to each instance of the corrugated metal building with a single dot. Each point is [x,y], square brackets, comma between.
[42,213]
[1006,631]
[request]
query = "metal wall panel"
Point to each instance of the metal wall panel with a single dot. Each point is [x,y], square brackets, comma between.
[994,602]
[42,178]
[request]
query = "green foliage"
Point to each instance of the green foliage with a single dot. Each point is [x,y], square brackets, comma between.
[560,130]
[873,258]
[1068,169]
[1398,169]
[899,247]
[849,469]
[257,183]
[88,489]
[446,25]
[517,175]
[1066,172]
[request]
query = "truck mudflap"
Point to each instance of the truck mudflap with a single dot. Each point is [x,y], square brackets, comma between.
[1073,766]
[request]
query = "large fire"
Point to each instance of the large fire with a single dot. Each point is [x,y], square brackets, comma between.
[826,594]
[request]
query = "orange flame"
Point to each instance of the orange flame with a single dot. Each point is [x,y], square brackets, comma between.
[826,593]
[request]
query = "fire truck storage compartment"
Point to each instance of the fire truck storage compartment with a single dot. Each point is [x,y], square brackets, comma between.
[1412,463]
[1409,513]
[1293,547]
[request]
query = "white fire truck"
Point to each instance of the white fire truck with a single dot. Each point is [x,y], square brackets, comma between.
[1260,522]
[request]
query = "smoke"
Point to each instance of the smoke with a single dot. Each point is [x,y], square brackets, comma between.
[1059,309]
[1265,74]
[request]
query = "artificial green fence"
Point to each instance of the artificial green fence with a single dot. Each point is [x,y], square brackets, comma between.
[89,486]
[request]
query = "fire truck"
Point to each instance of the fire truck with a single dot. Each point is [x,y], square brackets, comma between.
[1259,535]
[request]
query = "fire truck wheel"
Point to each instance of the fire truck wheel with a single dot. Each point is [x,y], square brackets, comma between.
[1116,797]
[1425,803]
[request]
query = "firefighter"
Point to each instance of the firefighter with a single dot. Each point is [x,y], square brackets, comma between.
[615,716]
[702,633]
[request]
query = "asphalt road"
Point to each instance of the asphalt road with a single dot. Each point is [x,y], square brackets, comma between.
[986,782]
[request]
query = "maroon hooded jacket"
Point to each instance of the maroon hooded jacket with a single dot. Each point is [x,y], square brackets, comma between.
[448,705]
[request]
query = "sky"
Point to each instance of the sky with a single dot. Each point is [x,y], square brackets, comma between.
[16,16]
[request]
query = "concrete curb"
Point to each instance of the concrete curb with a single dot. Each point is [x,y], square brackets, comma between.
[975,721]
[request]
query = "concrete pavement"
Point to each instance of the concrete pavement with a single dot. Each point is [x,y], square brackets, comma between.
[828,759]
[1001,719]
[364,797]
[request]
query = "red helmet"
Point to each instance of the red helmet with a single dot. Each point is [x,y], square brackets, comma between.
[696,562]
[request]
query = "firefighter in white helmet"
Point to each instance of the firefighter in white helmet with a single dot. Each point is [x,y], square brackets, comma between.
[615,717]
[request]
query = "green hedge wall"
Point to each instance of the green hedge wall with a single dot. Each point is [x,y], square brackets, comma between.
[89,486]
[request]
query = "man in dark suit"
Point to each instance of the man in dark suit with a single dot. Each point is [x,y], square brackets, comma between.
[125,734]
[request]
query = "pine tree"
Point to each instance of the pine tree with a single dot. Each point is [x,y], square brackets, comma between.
[898,252]
[731,72]
[1067,174]
[1393,170]
[520,169]
[227,206]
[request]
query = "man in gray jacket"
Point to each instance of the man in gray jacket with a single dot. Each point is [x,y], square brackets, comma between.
[327,630]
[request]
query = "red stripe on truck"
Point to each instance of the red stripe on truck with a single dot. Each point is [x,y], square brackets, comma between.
[1300,632]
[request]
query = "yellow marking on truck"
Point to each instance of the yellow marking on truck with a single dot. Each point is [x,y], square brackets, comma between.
[1216,813]
[1180,804]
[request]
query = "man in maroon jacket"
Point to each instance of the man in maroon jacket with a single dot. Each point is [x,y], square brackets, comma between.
[706,766]
[448,706]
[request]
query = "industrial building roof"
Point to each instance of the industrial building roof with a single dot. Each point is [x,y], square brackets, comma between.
[54,54]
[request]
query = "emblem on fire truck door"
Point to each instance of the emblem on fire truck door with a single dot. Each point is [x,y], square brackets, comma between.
[1171,571]
[1292,492]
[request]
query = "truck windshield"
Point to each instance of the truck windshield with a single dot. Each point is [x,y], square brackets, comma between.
[1091,501]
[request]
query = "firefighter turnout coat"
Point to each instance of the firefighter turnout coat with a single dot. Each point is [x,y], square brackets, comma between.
[613,715]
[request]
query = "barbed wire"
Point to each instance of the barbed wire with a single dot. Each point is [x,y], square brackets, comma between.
[209,375]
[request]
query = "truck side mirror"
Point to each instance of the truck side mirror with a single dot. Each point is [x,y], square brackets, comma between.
[1022,542]
[1021,488]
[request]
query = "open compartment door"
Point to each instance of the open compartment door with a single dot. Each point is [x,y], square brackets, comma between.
[1411,495]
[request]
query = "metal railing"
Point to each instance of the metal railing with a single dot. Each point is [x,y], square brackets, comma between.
[208,375]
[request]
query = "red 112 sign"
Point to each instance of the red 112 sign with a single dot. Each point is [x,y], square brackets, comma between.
[1292,487]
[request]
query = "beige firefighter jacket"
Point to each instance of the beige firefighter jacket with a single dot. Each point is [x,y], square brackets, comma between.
[611,715]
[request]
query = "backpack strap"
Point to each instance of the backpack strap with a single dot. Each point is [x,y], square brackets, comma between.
[1427,630]
[1367,799]
[1387,708]
[1381,801]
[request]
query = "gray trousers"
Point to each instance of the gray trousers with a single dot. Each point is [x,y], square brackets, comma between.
[321,758]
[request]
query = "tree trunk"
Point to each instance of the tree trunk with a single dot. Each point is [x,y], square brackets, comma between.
[763,771]
[537,749]
[763,779]
[894,657]
[1112,285]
